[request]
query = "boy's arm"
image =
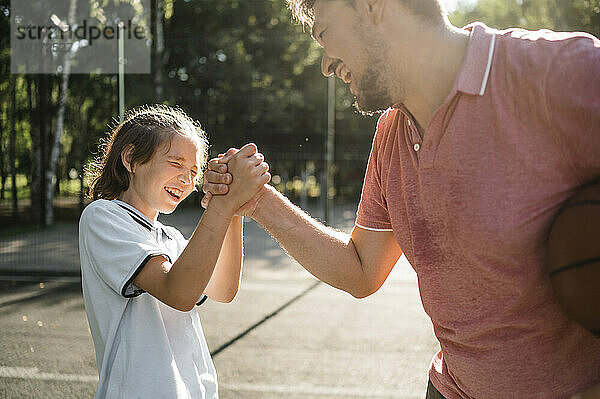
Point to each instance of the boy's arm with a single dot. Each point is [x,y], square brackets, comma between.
[225,280]
[181,284]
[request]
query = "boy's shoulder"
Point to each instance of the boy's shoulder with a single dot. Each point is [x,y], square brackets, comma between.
[105,212]
[100,207]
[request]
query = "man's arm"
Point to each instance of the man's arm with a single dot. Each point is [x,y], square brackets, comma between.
[358,263]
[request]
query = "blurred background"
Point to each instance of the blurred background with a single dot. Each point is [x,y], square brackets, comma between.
[247,73]
[243,70]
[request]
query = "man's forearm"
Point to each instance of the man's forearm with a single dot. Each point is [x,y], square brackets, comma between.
[328,254]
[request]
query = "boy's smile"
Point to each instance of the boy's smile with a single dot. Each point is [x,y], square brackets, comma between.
[168,178]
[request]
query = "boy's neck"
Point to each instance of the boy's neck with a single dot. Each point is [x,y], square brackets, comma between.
[138,203]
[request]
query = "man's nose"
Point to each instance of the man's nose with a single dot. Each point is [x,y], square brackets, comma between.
[328,65]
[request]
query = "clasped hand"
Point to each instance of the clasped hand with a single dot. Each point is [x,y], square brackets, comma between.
[224,175]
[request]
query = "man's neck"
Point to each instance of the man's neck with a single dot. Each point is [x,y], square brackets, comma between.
[436,61]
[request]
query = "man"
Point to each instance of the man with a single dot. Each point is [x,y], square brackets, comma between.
[485,135]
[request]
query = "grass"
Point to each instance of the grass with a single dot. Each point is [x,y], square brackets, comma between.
[68,188]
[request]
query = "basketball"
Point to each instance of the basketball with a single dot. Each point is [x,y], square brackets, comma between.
[574,257]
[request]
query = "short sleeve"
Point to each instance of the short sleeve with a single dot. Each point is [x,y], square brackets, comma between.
[181,241]
[372,210]
[117,247]
[573,103]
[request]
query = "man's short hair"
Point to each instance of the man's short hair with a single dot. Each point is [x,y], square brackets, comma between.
[302,10]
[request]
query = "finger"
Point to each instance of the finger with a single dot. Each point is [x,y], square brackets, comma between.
[214,164]
[266,178]
[257,159]
[217,177]
[215,189]
[262,168]
[205,200]
[228,155]
[216,167]
[248,150]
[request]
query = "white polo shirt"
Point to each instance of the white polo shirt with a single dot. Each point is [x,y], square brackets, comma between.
[144,348]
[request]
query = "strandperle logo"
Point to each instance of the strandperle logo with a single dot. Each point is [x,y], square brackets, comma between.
[81,31]
[43,34]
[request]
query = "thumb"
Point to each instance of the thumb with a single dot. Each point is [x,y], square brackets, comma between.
[249,149]
[228,155]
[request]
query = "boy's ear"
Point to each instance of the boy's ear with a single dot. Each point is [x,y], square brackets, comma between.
[126,155]
[374,10]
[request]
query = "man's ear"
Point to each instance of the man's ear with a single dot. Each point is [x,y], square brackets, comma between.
[126,155]
[375,10]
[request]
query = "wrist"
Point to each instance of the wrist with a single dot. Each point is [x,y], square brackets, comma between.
[268,193]
[221,207]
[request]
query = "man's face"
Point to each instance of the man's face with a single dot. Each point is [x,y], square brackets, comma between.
[168,178]
[353,52]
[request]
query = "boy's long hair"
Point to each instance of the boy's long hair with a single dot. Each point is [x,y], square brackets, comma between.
[146,129]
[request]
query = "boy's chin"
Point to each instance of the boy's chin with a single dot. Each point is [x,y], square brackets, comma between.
[168,209]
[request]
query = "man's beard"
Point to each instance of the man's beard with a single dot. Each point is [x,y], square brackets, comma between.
[373,91]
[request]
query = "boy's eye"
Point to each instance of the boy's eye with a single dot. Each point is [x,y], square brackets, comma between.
[174,163]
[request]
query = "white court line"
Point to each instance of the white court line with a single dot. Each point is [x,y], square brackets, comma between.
[33,373]
[325,391]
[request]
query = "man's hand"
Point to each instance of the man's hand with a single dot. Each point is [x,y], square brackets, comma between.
[217,180]
[590,393]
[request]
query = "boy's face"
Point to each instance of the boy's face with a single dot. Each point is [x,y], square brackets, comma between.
[168,178]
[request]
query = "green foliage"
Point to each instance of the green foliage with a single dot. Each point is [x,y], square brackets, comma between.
[240,67]
[560,15]
[248,74]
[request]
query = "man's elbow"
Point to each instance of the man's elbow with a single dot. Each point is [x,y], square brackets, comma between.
[364,290]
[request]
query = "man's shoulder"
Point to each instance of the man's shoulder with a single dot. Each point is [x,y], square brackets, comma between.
[550,43]
[390,117]
[546,34]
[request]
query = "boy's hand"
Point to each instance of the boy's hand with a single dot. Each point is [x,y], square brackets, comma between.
[216,182]
[248,174]
[216,179]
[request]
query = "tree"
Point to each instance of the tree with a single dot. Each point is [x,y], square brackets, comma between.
[573,15]
[60,117]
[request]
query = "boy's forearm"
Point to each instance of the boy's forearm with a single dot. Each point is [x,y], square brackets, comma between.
[225,280]
[192,271]
[328,254]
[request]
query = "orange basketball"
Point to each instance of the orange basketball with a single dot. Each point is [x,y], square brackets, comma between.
[574,257]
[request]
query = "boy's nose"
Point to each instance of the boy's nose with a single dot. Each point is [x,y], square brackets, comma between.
[186,178]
